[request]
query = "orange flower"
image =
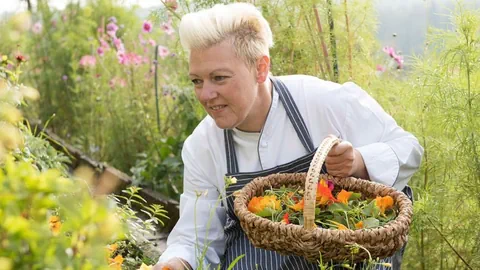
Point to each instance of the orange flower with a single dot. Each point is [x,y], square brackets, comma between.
[285,219]
[55,225]
[343,196]
[298,206]
[258,204]
[359,225]
[324,194]
[116,263]
[254,205]
[384,203]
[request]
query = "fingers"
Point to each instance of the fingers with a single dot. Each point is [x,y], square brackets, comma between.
[340,148]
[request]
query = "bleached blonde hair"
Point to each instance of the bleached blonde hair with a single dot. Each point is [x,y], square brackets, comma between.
[241,23]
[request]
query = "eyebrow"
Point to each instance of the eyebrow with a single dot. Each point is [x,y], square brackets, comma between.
[215,70]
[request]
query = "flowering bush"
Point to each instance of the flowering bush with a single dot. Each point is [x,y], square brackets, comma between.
[345,210]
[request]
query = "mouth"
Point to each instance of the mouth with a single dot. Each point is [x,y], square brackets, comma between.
[217,108]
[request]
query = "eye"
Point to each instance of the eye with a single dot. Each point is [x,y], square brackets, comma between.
[196,81]
[219,78]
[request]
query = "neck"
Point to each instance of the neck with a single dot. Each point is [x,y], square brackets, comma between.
[258,115]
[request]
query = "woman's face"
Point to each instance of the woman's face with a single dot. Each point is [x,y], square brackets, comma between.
[225,86]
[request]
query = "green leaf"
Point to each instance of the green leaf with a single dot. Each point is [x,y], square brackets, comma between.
[338,207]
[371,210]
[370,223]
[355,196]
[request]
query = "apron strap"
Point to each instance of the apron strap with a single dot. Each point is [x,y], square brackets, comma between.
[293,114]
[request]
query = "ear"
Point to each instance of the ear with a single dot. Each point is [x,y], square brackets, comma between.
[263,68]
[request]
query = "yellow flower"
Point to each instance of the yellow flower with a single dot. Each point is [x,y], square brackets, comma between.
[116,263]
[384,203]
[145,267]
[343,196]
[55,225]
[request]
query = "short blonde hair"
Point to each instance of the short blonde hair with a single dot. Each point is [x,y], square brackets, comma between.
[242,23]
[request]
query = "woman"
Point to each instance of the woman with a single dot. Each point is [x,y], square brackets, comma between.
[258,125]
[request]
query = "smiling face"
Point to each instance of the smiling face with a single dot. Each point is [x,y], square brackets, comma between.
[229,90]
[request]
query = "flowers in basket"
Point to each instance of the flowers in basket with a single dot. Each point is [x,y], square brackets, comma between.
[343,210]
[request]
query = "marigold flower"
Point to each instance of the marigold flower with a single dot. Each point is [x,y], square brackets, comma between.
[343,196]
[384,203]
[116,263]
[55,225]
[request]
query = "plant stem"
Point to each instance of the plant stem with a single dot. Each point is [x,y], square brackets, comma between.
[349,37]
[333,43]
[450,245]
[324,46]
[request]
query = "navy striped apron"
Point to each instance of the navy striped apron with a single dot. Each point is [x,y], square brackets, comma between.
[237,242]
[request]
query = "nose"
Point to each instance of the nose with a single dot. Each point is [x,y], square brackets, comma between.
[207,92]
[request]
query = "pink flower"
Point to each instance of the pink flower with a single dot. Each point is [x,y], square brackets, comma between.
[167,27]
[118,44]
[152,42]
[381,68]
[163,51]
[37,28]
[100,51]
[147,26]
[88,61]
[130,59]
[104,45]
[390,51]
[399,60]
[64,78]
[112,29]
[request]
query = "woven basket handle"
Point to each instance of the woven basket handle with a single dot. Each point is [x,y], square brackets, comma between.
[312,180]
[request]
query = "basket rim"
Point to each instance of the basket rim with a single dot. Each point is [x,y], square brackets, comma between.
[241,208]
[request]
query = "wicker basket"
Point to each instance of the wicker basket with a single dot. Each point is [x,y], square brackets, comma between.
[308,240]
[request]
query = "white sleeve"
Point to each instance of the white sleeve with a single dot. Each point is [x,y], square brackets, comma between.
[391,154]
[199,229]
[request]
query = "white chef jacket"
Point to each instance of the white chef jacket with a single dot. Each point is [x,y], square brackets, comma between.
[391,156]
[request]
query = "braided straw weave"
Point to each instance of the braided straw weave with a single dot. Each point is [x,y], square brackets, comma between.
[308,240]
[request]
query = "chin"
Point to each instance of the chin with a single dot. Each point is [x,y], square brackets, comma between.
[224,125]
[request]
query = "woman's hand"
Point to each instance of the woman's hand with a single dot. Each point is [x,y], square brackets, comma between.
[343,160]
[173,264]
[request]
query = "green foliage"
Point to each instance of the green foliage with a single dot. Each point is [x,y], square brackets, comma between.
[29,198]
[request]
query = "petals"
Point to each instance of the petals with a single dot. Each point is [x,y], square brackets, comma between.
[298,206]
[343,196]
[384,203]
